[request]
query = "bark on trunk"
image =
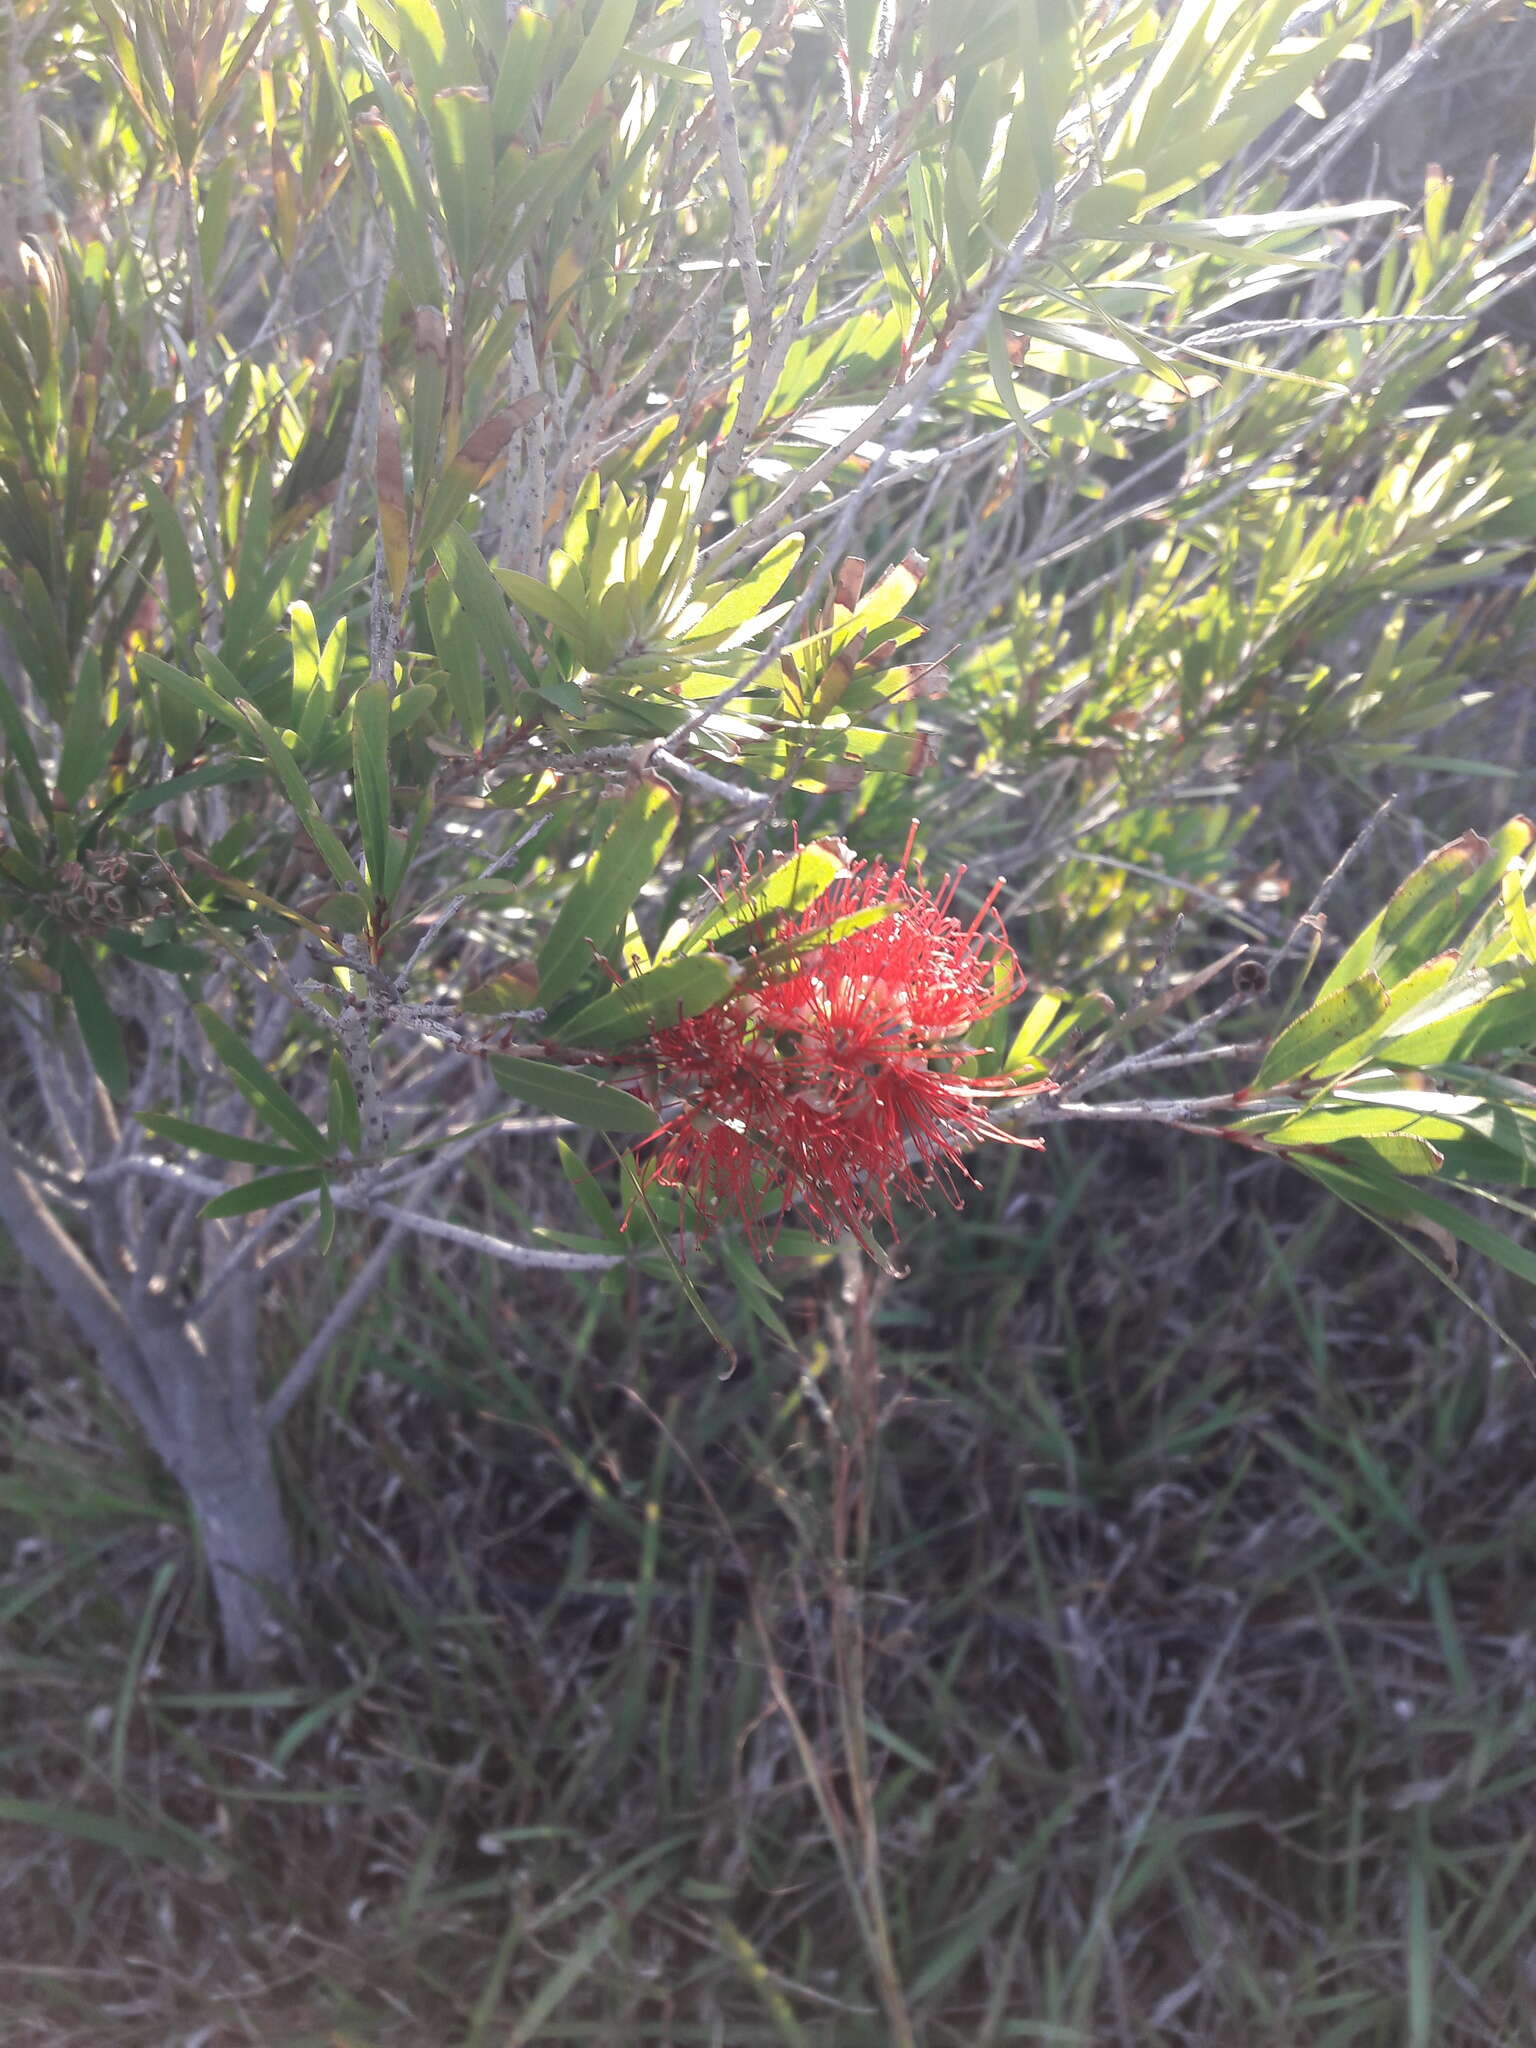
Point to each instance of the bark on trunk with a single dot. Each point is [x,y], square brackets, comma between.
[230,1480]
[197,1405]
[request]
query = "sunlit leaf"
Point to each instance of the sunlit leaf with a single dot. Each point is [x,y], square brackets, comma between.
[622,862]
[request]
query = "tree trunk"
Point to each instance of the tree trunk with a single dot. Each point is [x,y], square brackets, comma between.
[224,1464]
[199,1407]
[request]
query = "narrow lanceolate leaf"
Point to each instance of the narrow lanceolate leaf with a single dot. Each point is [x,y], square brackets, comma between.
[1382,1193]
[370,770]
[578,1097]
[1035,1029]
[625,859]
[1424,915]
[270,1102]
[406,208]
[599,1210]
[1405,1153]
[1405,998]
[661,996]
[184,605]
[732,610]
[394,534]
[475,463]
[1001,367]
[192,691]
[597,53]
[1512,891]
[88,738]
[263,1192]
[344,1123]
[220,1144]
[1486,1010]
[784,886]
[98,1025]
[485,607]
[643,1227]
[14,726]
[1426,912]
[1334,1021]
[298,792]
[553,607]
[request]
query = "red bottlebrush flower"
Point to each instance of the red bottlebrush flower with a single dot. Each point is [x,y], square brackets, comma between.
[833,1082]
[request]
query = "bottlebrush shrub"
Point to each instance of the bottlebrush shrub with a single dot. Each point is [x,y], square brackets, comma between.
[440,451]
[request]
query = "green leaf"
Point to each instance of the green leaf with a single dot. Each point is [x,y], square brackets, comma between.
[1485,1010]
[316,675]
[599,1210]
[263,1192]
[1001,367]
[301,796]
[783,956]
[343,1123]
[641,1224]
[662,995]
[370,768]
[597,903]
[175,786]
[1369,1111]
[407,210]
[261,1091]
[1427,910]
[669,539]
[1334,1021]
[527,39]
[485,607]
[1104,208]
[453,642]
[242,614]
[87,741]
[1404,1153]
[219,1144]
[1376,1190]
[194,691]
[185,603]
[409,706]
[576,1096]
[784,886]
[1119,347]
[460,119]
[1512,894]
[50,670]
[554,607]
[14,725]
[1409,994]
[597,52]
[166,957]
[741,603]
[98,1024]
[1028,167]
[394,527]
[1031,1034]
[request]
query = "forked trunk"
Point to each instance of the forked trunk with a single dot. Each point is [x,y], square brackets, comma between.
[194,1392]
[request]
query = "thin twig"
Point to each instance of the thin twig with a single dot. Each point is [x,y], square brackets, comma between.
[1309,919]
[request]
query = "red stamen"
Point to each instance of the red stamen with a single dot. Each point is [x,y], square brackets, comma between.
[831,1084]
